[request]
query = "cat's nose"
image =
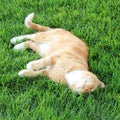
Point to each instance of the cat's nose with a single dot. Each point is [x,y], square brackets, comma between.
[86,90]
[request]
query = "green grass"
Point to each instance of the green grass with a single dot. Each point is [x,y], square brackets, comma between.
[94,21]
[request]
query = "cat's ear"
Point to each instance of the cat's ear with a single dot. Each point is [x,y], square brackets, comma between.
[101,84]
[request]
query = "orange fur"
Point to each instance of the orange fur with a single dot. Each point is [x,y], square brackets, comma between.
[62,53]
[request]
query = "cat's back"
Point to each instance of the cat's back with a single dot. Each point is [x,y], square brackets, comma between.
[60,39]
[57,36]
[70,44]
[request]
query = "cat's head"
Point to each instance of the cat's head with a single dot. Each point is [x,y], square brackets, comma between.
[84,82]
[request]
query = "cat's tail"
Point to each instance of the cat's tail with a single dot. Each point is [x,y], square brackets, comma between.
[29,24]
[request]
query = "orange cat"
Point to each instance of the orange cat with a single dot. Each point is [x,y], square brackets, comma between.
[64,57]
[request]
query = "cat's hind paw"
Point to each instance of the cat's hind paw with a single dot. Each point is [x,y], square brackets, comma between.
[13,40]
[19,47]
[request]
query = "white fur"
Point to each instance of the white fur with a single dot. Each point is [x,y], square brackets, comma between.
[48,67]
[21,72]
[15,39]
[29,65]
[74,76]
[44,48]
[28,20]
[20,38]
[19,46]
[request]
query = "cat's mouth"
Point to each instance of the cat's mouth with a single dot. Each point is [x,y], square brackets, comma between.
[85,89]
[87,86]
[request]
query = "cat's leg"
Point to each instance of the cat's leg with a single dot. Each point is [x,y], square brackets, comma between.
[44,62]
[20,38]
[28,44]
[31,73]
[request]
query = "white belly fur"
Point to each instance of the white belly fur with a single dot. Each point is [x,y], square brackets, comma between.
[44,49]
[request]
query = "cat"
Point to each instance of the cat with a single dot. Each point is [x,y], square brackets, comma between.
[64,57]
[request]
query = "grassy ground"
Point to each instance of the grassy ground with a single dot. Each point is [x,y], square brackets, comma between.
[94,21]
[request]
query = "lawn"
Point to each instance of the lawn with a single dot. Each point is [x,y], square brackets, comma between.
[94,21]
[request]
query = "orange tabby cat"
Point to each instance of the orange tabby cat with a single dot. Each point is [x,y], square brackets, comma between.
[64,57]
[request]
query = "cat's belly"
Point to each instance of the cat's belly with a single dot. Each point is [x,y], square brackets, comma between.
[44,48]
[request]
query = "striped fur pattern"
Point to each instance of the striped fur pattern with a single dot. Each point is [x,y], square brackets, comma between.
[64,57]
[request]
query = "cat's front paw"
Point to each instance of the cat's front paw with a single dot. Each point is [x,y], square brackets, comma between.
[19,47]
[25,73]
[32,65]
[21,73]
[29,65]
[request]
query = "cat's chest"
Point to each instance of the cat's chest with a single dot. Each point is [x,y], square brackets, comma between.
[57,73]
